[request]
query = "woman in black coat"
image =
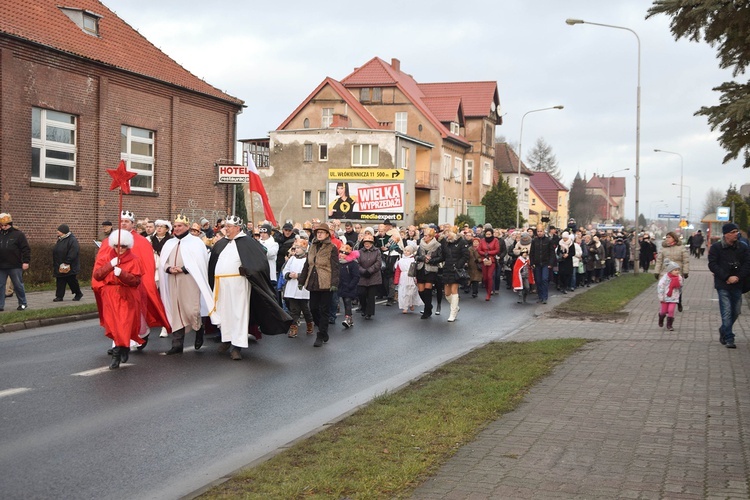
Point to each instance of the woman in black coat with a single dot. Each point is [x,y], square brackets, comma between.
[646,252]
[67,264]
[370,277]
[455,256]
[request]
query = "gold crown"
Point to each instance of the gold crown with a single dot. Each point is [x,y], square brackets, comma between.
[182,219]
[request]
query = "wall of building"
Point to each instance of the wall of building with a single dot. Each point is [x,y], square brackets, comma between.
[192,132]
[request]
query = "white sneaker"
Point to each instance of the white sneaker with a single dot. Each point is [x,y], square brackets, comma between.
[164,333]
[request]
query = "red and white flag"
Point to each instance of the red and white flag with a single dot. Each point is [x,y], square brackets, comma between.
[256,185]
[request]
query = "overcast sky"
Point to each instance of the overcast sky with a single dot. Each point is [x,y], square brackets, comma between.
[273,54]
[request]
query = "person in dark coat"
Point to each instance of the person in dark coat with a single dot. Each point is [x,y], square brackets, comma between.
[348,281]
[456,256]
[370,277]
[15,256]
[66,264]
[647,253]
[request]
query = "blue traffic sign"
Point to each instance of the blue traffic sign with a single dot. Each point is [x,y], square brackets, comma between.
[668,216]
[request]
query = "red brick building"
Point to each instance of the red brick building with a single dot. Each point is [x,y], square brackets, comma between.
[80,90]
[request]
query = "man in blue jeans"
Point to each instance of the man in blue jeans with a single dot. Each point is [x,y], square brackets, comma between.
[15,255]
[542,256]
[729,261]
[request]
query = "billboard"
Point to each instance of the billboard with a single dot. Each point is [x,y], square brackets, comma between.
[366,201]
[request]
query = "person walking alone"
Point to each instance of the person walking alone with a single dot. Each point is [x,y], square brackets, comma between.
[66,264]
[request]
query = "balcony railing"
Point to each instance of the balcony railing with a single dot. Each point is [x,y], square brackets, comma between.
[427,180]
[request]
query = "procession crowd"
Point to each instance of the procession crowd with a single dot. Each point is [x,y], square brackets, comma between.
[242,281]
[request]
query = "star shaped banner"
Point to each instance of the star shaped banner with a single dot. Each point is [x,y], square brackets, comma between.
[121,177]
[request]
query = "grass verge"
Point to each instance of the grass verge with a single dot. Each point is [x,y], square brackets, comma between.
[9,317]
[609,297]
[388,447]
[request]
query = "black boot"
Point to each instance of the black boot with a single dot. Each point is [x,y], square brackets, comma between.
[661,319]
[115,364]
[124,354]
[670,322]
[199,338]
[426,296]
[145,341]
[178,339]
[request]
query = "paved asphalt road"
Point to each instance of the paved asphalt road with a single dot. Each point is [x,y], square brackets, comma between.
[163,427]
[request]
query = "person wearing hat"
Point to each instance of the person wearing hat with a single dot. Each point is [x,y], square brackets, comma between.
[285,239]
[183,284]
[391,248]
[238,274]
[106,229]
[647,252]
[152,307]
[272,250]
[672,250]
[207,229]
[116,281]
[15,256]
[66,264]
[729,261]
[320,276]
[668,291]
[370,277]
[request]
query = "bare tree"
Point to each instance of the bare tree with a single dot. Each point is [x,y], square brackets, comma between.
[541,159]
[714,197]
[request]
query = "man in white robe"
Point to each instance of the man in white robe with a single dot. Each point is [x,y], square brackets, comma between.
[184,288]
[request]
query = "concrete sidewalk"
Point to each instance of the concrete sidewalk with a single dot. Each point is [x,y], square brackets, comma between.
[43,300]
[642,413]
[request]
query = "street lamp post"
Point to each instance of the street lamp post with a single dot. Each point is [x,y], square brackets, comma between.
[520,152]
[682,164]
[690,197]
[572,22]
[609,176]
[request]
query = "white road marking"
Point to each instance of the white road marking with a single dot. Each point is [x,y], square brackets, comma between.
[13,392]
[97,371]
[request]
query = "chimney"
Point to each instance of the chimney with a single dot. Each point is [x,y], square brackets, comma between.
[395,64]
[340,121]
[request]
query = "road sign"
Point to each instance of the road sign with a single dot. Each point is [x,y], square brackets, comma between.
[683,224]
[372,174]
[668,216]
[722,213]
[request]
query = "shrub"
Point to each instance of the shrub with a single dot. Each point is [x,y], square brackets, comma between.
[41,268]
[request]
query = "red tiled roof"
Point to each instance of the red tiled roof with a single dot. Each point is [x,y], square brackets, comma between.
[477,97]
[378,73]
[547,187]
[118,44]
[446,109]
[616,185]
[506,160]
[354,104]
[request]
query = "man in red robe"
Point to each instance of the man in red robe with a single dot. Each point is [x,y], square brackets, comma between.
[153,309]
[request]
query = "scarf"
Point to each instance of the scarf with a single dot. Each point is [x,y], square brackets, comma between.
[674,284]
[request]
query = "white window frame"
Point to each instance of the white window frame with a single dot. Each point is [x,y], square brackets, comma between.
[401,122]
[307,152]
[307,198]
[469,171]
[323,152]
[405,157]
[365,155]
[327,118]
[458,169]
[455,128]
[46,144]
[447,161]
[322,199]
[486,174]
[131,158]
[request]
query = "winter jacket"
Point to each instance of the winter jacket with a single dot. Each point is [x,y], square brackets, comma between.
[542,252]
[321,270]
[66,251]
[725,261]
[662,288]
[369,266]
[14,249]
[677,253]
[475,264]
[349,276]
[291,289]
[456,255]
[434,250]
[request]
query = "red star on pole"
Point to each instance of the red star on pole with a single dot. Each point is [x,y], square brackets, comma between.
[121,177]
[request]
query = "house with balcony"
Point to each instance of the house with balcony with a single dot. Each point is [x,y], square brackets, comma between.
[81,90]
[548,201]
[434,140]
[608,197]
[506,166]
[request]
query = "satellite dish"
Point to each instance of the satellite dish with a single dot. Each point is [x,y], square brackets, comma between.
[493,107]
[456,173]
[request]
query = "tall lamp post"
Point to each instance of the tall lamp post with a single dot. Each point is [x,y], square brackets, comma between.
[520,152]
[682,164]
[690,197]
[573,22]
[609,176]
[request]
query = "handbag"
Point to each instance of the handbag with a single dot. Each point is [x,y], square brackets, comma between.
[487,261]
[64,268]
[412,270]
[462,274]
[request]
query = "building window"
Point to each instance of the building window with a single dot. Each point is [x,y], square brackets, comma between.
[455,128]
[371,95]
[53,146]
[137,150]
[322,199]
[401,119]
[457,169]
[447,166]
[306,123]
[533,201]
[308,152]
[327,117]
[405,158]
[323,152]
[486,174]
[365,155]
[307,198]
[489,134]
[469,171]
